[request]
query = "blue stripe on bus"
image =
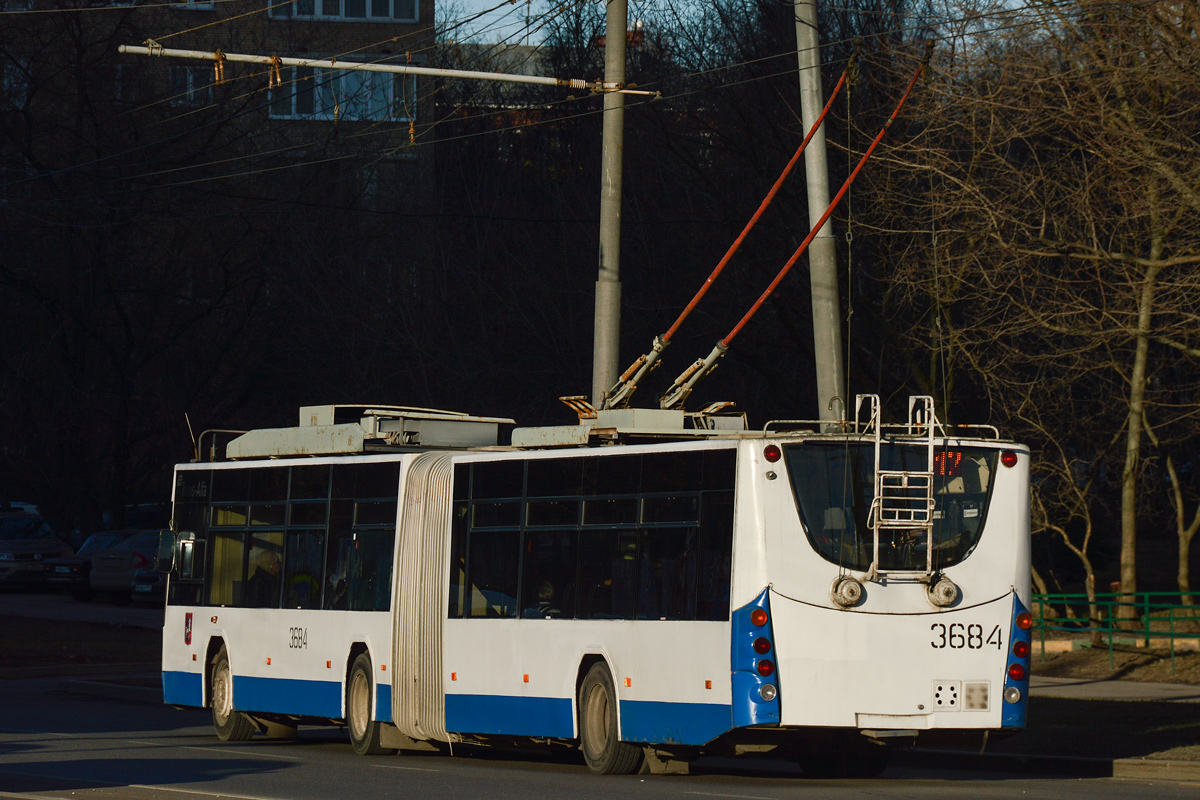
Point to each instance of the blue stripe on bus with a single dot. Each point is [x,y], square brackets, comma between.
[510,716]
[383,702]
[285,696]
[641,721]
[183,688]
[673,723]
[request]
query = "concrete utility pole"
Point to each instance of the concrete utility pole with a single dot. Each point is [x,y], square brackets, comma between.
[607,336]
[822,253]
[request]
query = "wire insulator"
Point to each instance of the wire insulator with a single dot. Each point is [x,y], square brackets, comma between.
[852,67]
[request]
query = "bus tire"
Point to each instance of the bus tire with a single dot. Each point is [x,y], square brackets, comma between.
[230,725]
[603,752]
[360,693]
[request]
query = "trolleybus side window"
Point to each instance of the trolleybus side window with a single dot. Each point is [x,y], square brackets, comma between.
[362,536]
[308,509]
[304,536]
[226,554]
[593,537]
[492,552]
[190,516]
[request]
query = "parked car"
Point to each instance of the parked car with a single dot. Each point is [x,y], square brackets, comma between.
[149,585]
[26,541]
[113,568]
[73,573]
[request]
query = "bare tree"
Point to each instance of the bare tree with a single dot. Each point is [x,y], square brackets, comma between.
[1055,171]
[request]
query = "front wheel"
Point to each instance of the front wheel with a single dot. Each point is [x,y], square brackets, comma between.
[230,725]
[360,690]
[602,751]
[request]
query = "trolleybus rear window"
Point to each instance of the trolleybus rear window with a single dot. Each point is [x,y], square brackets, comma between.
[834,485]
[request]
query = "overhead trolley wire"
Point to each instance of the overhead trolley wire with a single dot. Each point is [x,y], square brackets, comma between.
[258,156]
[542,20]
[429,128]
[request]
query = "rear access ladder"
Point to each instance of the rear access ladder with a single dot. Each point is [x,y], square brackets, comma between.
[903,499]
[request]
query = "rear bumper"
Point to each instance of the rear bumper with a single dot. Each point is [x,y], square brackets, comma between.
[17,571]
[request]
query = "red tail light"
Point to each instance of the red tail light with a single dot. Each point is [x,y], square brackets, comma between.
[1008,458]
[762,645]
[1016,672]
[766,667]
[1021,648]
[1024,620]
[138,561]
[758,617]
[771,453]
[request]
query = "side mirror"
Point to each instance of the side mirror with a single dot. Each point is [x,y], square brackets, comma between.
[166,551]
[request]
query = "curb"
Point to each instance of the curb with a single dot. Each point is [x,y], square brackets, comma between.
[1147,768]
[1076,766]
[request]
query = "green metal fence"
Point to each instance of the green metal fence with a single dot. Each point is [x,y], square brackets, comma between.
[1151,619]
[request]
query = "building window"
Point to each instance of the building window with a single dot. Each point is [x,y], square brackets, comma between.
[191,86]
[353,10]
[195,5]
[319,93]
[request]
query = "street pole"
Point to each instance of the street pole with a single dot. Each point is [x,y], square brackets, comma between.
[607,332]
[822,253]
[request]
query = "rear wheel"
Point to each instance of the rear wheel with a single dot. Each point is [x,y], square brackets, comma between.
[360,692]
[602,751]
[230,725]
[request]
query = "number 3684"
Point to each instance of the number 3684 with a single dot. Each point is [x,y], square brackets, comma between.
[964,636]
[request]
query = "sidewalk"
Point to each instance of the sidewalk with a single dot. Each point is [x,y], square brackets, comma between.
[1082,689]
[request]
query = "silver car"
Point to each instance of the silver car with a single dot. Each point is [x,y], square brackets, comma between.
[113,568]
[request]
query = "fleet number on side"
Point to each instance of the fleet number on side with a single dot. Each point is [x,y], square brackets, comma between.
[298,638]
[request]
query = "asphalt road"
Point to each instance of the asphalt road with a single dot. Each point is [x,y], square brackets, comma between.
[59,605]
[56,745]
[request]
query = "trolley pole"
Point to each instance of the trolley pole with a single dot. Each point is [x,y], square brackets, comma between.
[822,253]
[607,333]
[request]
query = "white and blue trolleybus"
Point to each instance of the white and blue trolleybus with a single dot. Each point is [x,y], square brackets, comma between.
[648,586]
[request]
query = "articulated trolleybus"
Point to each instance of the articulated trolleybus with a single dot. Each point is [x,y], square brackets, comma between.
[648,586]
